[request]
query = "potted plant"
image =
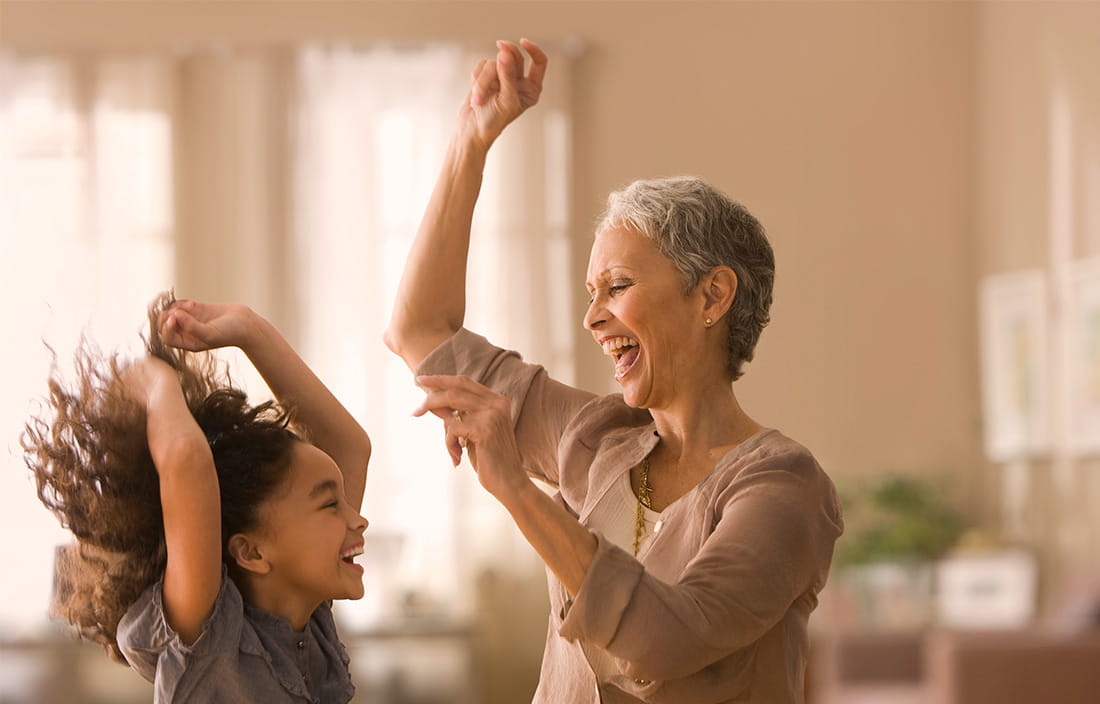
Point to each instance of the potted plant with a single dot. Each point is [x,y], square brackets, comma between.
[895,528]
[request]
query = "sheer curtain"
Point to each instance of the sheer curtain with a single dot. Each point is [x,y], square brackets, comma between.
[292,180]
[371,130]
[85,239]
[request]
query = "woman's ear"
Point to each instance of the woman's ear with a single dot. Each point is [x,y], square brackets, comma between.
[246,553]
[719,288]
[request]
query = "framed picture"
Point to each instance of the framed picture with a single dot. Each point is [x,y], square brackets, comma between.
[1084,330]
[1015,386]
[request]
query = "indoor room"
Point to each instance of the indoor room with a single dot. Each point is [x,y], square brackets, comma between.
[928,174]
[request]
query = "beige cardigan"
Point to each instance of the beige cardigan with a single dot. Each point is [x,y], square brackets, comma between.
[715,607]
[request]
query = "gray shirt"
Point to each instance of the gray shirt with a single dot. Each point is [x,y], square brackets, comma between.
[244,654]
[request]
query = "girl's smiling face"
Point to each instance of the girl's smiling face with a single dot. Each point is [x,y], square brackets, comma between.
[641,317]
[310,534]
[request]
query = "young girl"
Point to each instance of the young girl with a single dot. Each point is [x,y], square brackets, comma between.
[211,536]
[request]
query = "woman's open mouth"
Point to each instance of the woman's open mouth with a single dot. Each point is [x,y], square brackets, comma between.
[623,351]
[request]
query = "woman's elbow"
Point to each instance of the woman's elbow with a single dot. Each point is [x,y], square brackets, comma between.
[413,345]
[392,338]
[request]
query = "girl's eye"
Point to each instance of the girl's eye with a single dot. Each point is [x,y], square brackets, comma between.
[331,504]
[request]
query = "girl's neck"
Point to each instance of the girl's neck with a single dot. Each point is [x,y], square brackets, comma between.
[292,608]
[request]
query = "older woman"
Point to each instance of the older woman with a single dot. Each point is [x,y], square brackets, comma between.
[686,544]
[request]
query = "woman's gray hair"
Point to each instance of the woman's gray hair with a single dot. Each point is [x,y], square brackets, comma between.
[699,228]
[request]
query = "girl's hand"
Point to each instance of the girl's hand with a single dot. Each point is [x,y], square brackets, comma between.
[501,90]
[479,420]
[197,326]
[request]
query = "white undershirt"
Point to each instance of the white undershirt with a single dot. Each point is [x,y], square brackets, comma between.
[615,517]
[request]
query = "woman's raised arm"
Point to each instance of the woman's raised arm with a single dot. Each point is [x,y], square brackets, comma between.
[431,299]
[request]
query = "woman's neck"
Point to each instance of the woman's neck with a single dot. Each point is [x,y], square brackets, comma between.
[703,422]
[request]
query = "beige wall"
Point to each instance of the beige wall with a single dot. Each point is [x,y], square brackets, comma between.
[1038,168]
[846,127]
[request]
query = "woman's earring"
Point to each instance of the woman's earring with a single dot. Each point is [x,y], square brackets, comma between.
[708,322]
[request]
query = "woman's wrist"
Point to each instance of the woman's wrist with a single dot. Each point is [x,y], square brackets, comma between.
[468,143]
[518,493]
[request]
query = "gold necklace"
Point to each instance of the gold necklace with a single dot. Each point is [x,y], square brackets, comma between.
[645,500]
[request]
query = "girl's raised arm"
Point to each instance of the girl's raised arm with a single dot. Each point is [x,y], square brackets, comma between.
[200,326]
[431,299]
[189,496]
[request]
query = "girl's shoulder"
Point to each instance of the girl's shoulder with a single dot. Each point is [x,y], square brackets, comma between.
[144,627]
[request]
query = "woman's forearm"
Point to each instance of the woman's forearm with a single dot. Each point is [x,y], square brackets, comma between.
[431,299]
[560,540]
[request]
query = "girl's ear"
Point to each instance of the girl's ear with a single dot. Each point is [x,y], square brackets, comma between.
[246,552]
[719,287]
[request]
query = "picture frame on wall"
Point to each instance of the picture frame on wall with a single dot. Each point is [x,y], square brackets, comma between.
[1084,330]
[1015,380]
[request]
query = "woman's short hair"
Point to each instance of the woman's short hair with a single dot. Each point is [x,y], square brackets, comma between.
[698,228]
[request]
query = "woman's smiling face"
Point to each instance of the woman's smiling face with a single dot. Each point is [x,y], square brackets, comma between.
[641,317]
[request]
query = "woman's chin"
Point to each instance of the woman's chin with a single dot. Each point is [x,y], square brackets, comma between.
[633,394]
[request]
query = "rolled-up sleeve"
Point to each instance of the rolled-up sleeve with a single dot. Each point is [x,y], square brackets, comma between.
[542,408]
[772,543]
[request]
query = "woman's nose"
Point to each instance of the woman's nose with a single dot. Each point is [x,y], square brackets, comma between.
[595,316]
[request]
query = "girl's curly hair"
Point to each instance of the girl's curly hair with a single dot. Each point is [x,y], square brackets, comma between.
[90,458]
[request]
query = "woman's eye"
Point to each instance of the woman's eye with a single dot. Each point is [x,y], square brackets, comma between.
[616,289]
[331,504]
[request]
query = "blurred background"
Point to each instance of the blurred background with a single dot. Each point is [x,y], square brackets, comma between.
[929,174]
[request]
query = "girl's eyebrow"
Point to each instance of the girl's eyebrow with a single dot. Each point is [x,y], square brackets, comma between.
[322,487]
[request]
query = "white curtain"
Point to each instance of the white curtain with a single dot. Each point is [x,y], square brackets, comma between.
[371,131]
[85,239]
[291,180]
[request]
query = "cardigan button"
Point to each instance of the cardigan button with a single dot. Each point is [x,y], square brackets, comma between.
[301,645]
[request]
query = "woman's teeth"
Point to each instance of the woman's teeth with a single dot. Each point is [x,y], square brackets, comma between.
[615,346]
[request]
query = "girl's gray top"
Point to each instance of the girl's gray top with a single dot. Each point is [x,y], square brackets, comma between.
[244,654]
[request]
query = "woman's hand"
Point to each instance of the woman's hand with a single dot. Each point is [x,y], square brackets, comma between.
[479,420]
[501,90]
[197,326]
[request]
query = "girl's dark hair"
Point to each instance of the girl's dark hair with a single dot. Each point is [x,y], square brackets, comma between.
[90,458]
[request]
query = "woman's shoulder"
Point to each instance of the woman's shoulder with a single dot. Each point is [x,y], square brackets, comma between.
[607,419]
[770,456]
